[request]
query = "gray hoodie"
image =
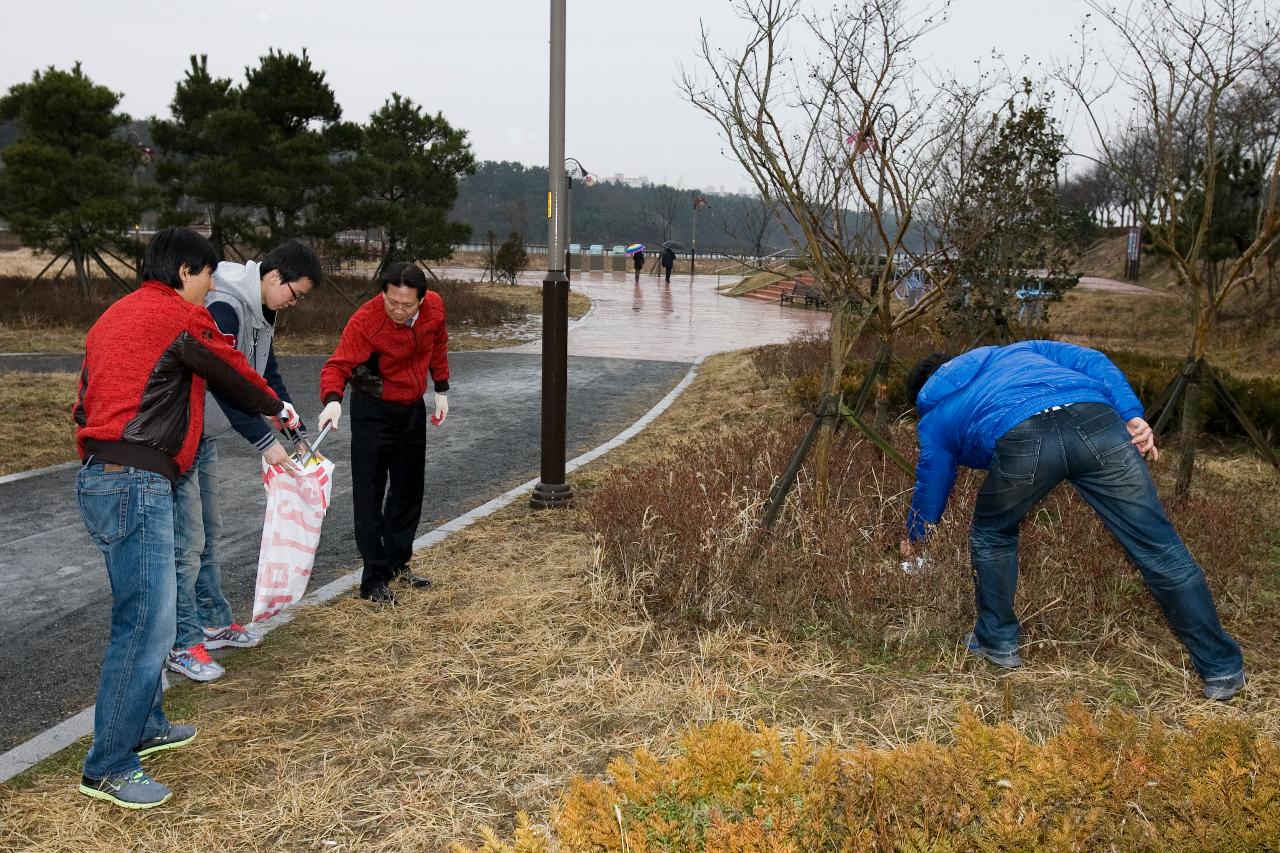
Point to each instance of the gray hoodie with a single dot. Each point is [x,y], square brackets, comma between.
[239,286]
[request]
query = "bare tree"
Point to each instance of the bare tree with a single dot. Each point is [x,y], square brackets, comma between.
[846,128]
[748,222]
[1184,64]
[666,202]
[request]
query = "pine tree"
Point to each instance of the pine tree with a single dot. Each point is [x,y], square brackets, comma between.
[68,184]
[406,176]
[195,158]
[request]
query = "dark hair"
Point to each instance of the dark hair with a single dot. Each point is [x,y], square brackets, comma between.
[404,274]
[293,261]
[172,249]
[920,374]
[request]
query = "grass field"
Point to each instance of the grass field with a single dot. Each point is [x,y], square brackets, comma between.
[406,728]
[540,656]
[35,421]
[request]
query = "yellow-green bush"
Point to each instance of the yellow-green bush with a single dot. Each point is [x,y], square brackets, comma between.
[1106,783]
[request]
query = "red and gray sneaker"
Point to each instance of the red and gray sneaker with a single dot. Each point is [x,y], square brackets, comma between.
[234,636]
[194,663]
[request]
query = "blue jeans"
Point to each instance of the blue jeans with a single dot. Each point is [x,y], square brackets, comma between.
[196,525]
[1087,445]
[129,515]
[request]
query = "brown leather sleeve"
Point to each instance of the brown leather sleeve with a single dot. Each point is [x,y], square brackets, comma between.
[226,378]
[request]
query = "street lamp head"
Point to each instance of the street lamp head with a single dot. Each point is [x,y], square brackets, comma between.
[588,180]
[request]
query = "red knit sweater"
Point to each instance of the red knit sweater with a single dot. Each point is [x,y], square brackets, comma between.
[142,382]
[389,361]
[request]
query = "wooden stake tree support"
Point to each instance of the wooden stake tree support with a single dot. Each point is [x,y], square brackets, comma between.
[1194,370]
[831,406]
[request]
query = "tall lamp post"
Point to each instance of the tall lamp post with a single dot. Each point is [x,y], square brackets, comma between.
[699,202]
[552,489]
[577,170]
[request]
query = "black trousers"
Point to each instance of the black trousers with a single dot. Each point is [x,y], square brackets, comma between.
[388,461]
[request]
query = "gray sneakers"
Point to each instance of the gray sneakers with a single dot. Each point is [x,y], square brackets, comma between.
[1008,660]
[233,636]
[175,737]
[1224,687]
[194,663]
[132,790]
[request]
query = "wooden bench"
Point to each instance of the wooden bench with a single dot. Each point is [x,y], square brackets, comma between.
[812,298]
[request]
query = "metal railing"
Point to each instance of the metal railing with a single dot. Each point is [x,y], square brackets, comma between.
[765,263]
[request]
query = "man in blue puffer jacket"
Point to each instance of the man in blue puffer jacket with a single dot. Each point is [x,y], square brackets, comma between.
[1034,414]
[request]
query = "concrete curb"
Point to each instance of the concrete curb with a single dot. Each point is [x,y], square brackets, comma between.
[64,734]
[36,472]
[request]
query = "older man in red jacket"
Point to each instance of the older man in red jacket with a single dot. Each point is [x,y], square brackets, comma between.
[387,351]
[139,415]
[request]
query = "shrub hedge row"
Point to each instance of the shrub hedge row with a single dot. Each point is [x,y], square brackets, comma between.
[1105,783]
[1259,398]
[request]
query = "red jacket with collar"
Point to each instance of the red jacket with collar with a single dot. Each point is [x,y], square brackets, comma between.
[142,381]
[386,360]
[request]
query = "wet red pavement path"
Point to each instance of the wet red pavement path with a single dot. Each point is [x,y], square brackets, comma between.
[676,322]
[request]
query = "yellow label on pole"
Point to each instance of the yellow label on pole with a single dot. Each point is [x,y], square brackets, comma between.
[548,204]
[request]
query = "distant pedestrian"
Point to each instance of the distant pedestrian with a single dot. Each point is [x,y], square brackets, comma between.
[389,348]
[668,259]
[139,413]
[637,261]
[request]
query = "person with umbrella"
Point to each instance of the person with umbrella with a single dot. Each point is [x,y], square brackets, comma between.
[668,258]
[636,251]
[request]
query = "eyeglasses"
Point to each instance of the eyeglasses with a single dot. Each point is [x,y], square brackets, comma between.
[297,297]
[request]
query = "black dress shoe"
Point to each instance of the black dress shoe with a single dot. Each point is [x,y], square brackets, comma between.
[410,579]
[380,594]
[416,581]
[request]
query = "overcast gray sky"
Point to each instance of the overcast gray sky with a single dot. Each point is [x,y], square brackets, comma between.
[483,63]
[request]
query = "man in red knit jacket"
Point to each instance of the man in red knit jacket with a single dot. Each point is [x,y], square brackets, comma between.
[139,415]
[387,350]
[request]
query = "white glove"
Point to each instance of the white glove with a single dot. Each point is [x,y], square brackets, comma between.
[289,416]
[915,565]
[331,414]
[442,409]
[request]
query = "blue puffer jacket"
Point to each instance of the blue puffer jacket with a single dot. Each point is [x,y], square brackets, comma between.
[974,399]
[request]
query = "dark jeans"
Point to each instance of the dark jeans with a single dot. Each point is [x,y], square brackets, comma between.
[1087,445]
[388,459]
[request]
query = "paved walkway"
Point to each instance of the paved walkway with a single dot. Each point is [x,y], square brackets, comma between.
[57,602]
[676,322]
[1111,285]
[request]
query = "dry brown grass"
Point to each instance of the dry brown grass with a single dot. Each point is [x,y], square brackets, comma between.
[35,421]
[359,728]
[1107,258]
[28,262]
[18,337]
[1241,344]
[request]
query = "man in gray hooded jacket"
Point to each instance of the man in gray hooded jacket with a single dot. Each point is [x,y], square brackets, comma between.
[244,304]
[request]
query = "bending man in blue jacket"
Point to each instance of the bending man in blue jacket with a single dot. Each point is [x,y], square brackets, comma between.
[1034,414]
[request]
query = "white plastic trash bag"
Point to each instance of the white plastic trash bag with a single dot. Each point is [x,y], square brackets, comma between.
[296,506]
